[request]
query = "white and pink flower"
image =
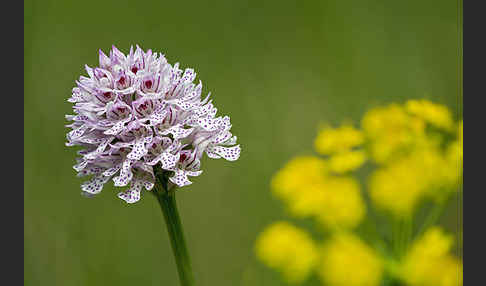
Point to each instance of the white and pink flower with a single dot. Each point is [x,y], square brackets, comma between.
[135,112]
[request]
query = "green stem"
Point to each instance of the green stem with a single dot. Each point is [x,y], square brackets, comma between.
[405,235]
[396,236]
[376,238]
[168,205]
[432,217]
[377,233]
[408,232]
[400,235]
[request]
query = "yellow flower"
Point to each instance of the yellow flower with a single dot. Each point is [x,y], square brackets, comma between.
[308,200]
[294,184]
[348,261]
[333,140]
[397,188]
[336,202]
[346,161]
[300,172]
[442,170]
[391,131]
[425,172]
[435,114]
[287,249]
[341,206]
[428,263]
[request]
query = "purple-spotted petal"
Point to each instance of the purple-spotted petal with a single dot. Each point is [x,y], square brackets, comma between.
[228,153]
[138,150]
[180,178]
[208,124]
[212,155]
[112,171]
[81,165]
[168,160]
[178,131]
[76,133]
[148,185]
[117,128]
[222,137]
[132,195]
[125,174]
[95,185]
[101,148]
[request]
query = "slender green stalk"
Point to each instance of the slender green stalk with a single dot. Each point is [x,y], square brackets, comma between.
[377,233]
[168,205]
[432,217]
[396,227]
[376,237]
[408,232]
[405,235]
[400,237]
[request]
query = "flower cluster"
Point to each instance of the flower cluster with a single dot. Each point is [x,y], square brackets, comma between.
[429,262]
[413,153]
[348,260]
[284,246]
[418,151]
[136,112]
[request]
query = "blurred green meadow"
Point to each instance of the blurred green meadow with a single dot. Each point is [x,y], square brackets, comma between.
[279,69]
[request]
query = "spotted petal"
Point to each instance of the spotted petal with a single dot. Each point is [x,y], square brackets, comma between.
[138,151]
[180,178]
[228,153]
[125,174]
[132,195]
[95,185]
[101,148]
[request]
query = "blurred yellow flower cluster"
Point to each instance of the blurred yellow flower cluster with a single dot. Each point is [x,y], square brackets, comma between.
[308,189]
[346,260]
[429,263]
[336,140]
[417,148]
[286,247]
[308,184]
[410,153]
[435,114]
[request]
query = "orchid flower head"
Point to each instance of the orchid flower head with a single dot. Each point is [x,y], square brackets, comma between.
[137,112]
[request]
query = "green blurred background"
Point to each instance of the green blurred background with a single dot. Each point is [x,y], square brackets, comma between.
[278,68]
